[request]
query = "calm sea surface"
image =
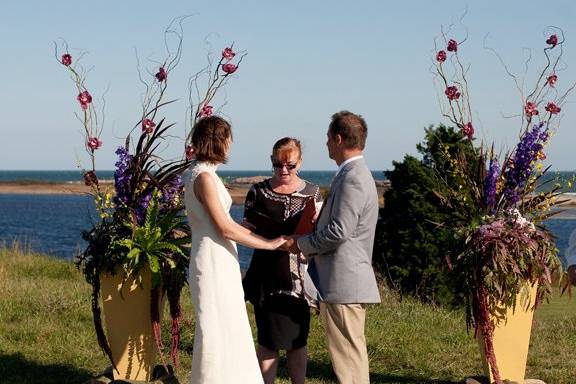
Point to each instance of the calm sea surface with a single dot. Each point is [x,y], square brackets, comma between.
[52,224]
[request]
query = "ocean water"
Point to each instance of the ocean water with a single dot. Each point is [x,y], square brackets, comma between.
[52,224]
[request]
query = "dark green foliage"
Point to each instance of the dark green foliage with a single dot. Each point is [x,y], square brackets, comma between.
[411,246]
[153,243]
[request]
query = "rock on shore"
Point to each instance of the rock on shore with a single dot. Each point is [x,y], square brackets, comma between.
[248,180]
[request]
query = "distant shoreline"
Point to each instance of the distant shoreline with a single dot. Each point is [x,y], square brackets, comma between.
[237,191]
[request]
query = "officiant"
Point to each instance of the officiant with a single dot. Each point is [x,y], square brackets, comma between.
[276,282]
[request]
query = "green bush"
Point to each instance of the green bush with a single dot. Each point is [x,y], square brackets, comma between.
[411,244]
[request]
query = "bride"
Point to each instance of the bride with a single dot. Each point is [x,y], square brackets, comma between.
[223,347]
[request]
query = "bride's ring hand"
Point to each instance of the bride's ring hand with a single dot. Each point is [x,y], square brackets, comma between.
[278,242]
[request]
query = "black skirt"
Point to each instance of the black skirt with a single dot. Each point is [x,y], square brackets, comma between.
[283,322]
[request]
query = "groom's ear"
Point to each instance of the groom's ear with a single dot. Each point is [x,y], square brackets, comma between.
[338,139]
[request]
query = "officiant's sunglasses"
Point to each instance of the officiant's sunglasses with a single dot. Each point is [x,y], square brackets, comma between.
[288,166]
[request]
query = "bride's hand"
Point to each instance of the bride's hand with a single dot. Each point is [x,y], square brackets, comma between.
[290,244]
[277,242]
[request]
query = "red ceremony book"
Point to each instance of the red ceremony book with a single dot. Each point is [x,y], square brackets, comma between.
[306,223]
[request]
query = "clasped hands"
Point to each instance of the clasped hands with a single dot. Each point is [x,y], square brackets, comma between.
[290,244]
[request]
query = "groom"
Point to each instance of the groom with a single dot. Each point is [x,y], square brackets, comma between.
[340,249]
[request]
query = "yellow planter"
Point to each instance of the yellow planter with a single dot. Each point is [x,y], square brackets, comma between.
[129,325]
[512,338]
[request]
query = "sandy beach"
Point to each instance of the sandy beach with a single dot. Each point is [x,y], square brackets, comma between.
[43,188]
[237,191]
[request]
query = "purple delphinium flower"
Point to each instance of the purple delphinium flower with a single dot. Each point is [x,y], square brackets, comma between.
[171,190]
[490,184]
[522,163]
[142,207]
[122,177]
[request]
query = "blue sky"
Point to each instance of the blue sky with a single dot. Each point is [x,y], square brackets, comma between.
[306,60]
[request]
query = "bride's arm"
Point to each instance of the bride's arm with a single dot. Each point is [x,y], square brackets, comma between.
[206,192]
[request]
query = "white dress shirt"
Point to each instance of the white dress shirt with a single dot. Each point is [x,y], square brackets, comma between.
[346,162]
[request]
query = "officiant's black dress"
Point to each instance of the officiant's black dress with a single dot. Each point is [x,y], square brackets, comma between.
[274,282]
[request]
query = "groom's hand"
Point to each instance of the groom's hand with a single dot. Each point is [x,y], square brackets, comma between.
[291,245]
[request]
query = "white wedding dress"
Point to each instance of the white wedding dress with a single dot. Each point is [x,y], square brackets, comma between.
[224,351]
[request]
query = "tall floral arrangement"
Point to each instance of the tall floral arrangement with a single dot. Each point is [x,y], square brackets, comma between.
[142,222]
[499,203]
[216,75]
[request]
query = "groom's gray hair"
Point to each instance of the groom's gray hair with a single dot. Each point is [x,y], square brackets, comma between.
[351,127]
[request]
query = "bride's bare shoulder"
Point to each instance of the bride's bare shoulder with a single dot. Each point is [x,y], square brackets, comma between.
[204,177]
[204,182]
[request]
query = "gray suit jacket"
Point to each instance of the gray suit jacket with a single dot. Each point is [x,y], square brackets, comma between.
[341,245]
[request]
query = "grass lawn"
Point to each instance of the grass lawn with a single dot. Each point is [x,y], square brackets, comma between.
[46,334]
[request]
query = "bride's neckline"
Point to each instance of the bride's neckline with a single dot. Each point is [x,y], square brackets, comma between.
[205,164]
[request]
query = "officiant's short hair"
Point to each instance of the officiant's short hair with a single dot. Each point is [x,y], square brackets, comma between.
[351,127]
[285,146]
[210,139]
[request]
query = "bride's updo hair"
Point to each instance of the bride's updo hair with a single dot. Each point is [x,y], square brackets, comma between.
[210,139]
